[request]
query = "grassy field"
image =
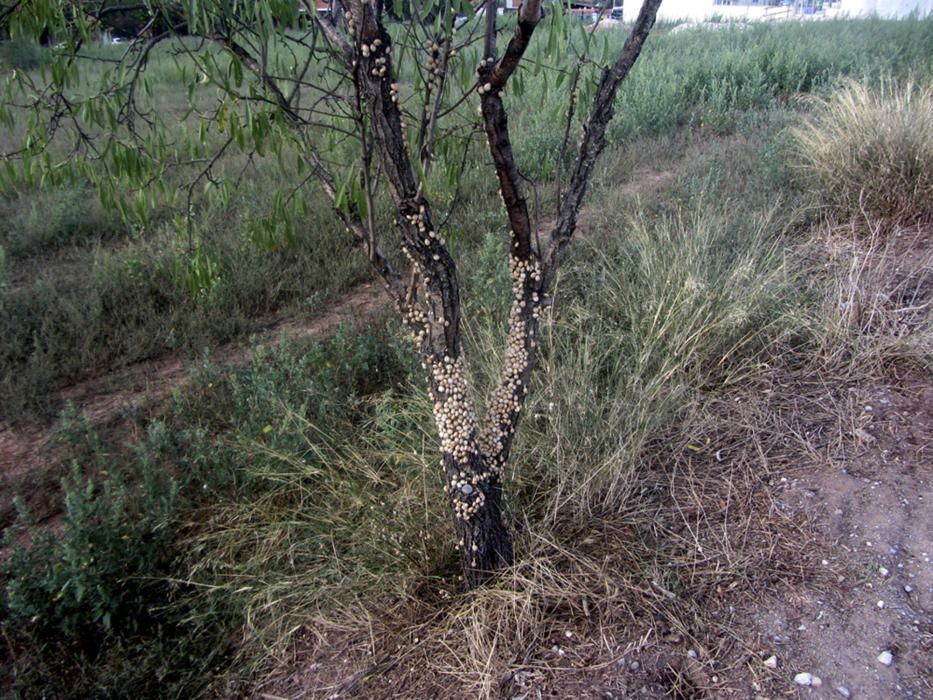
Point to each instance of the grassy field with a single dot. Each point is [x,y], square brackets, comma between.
[291,498]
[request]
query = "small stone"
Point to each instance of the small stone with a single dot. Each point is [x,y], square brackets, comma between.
[692,653]
[804,679]
[771,661]
[886,658]
[908,588]
[843,691]
[883,571]
[634,665]
[880,604]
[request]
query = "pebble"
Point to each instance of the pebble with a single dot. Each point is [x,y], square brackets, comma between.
[692,653]
[886,658]
[771,662]
[807,679]
[883,571]
[908,588]
[843,691]
[881,604]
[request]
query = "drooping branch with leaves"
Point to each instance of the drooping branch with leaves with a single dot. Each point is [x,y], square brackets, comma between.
[365,107]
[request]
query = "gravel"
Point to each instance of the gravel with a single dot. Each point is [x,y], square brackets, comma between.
[808,679]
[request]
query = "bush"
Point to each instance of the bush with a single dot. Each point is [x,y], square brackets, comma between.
[76,598]
[871,150]
[19,55]
[55,219]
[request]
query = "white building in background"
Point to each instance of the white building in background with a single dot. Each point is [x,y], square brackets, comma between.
[769,9]
[887,8]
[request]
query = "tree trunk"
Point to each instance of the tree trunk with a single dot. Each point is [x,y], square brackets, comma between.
[483,540]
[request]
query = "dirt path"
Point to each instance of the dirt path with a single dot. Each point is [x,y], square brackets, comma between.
[874,503]
[29,458]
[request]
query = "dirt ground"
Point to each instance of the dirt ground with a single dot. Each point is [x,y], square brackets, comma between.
[874,504]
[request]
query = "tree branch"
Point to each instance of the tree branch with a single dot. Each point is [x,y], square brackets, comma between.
[594,136]
[529,278]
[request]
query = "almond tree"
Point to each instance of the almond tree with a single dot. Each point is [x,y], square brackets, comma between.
[363,106]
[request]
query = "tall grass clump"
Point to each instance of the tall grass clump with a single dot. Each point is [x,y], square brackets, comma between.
[870,150]
[654,314]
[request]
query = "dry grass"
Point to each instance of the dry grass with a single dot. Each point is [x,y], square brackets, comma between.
[696,532]
[871,150]
[876,294]
[699,539]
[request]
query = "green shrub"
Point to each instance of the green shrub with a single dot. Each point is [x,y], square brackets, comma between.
[89,579]
[55,219]
[19,54]
[88,609]
[871,150]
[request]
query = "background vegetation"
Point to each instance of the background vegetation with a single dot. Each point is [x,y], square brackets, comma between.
[295,491]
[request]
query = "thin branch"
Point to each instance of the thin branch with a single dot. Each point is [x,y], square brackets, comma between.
[594,135]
